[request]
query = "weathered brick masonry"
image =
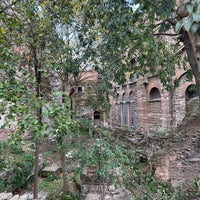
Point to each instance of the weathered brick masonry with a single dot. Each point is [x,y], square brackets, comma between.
[146,105]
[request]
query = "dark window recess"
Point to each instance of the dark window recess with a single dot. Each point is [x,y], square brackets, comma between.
[117,98]
[80,89]
[191,92]
[155,94]
[97,115]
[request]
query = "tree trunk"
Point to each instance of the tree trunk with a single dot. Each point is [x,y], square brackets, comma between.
[35,185]
[38,95]
[192,47]
[64,168]
[64,148]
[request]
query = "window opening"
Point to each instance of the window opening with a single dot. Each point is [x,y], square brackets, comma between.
[80,89]
[155,94]
[191,92]
[97,115]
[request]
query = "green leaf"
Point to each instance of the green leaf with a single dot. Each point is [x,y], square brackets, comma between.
[178,27]
[187,23]
[186,1]
[194,27]
[196,17]
[189,7]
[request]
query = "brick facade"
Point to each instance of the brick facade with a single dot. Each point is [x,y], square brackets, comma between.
[152,108]
[84,94]
[143,103]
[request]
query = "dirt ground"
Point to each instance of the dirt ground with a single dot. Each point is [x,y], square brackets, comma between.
[50,152]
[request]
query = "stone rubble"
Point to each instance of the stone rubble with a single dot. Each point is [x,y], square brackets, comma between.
[27,196]
[94,192]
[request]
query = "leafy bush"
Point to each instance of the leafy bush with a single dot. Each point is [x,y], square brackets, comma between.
[144,187]
[4,163]
[23,168]
[15,149]
[8,153]
[50,184]
[53,185]
[16,165]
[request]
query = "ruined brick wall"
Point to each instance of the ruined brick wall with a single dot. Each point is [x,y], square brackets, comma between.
[178,158]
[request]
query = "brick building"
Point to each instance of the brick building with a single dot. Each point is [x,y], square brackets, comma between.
[141,103]
[84,95]
[145,104]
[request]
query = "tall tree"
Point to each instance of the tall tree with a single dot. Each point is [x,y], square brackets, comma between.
[45,48]
[146,36]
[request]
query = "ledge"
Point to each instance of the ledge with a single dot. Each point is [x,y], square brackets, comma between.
[155,100]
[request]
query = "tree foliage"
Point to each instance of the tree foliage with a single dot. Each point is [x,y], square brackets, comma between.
[46,45]
[146,37]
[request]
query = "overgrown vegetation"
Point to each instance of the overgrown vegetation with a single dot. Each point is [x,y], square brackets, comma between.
[107,160]
[16,165]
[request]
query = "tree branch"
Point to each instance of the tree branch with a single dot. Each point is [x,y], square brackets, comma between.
[166,34]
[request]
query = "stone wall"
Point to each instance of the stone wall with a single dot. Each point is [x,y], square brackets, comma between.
[178,156]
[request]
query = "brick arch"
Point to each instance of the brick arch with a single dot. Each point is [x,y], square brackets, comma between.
[189,94]
[179,102]
[184,84]
[154,84]
[181,76]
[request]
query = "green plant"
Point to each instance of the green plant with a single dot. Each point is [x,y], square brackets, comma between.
[144,187]
[50,184]
[15,148]
[19,169]
[60,196]
[4,161]
[23,168]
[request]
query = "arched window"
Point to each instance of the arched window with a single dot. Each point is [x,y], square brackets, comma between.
[190,92]
[118,110]
[131,96]
[132,109]
[117,99]
[154,94]
[124,110]
[124,97]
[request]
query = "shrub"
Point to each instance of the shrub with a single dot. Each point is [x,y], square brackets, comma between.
[17,167]
[23,168]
